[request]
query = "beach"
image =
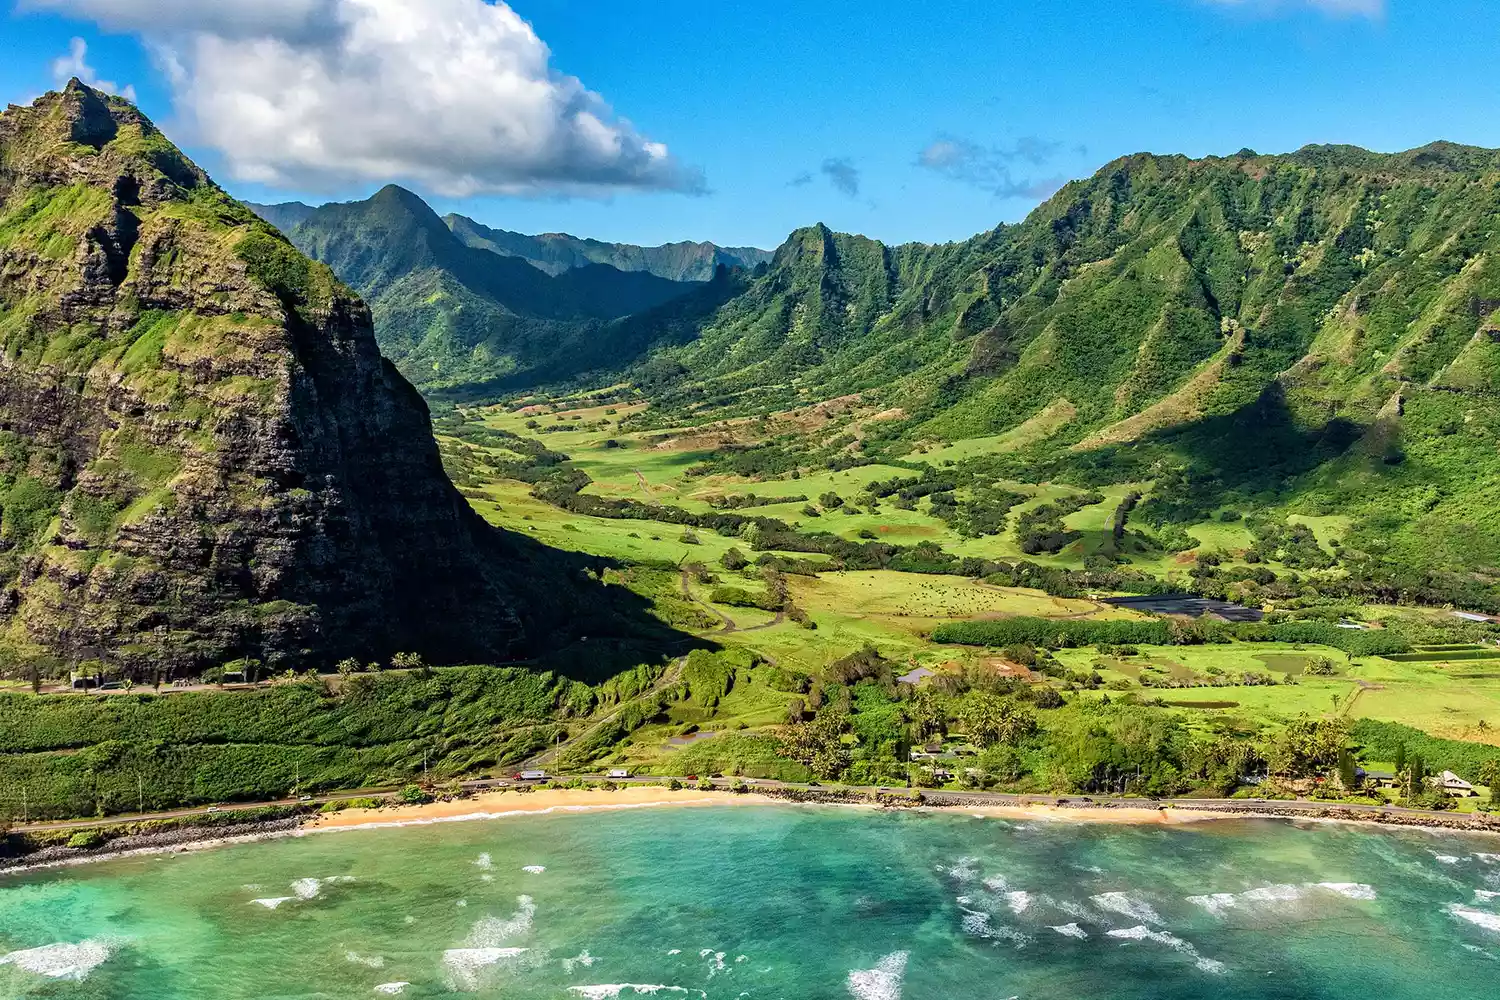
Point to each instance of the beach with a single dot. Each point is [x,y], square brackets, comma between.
[501,804]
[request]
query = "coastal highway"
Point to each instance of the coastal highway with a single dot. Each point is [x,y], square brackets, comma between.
[938,797]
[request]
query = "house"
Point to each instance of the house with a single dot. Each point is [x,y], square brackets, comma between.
[1470,616]
[618,772]
[1381,779]
[1454,785]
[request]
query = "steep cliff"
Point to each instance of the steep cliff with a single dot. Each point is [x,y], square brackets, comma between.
[202,453]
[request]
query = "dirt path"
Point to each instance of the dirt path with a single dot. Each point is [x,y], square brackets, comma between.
[688,595]
[645,486]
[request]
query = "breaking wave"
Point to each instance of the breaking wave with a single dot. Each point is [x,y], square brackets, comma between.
[882,982]
[1127,906]
[1479,918]
[61,961]
[1072,931]
[1143,933]
[605,991]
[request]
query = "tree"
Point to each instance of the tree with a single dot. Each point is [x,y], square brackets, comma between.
[1348,775]
[1489,776]
[1308,747]
[992,720]
[733,559]
[1416,777]
[1400,758]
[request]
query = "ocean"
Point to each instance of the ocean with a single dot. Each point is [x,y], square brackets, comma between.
[772,903]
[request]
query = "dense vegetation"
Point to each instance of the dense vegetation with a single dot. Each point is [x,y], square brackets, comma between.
[71,755]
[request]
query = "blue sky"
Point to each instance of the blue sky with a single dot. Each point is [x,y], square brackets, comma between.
[901,120]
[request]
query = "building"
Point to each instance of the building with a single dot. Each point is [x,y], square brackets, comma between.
[1454,785]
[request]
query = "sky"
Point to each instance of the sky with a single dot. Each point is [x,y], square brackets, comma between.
[737,122]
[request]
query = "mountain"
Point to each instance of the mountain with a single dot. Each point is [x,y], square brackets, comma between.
[1314,333]
[202,453]
[558,252]
[452,316]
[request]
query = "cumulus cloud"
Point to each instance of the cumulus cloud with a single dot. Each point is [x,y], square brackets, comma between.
[1336,8]
[75,63]
[456,96]
[993,168]
[842,174]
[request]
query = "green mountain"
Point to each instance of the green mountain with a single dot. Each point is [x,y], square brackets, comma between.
[202,453]
[1313,333]
[558,252]
[452,316]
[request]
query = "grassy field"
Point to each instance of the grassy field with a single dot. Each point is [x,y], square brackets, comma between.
[1447,695]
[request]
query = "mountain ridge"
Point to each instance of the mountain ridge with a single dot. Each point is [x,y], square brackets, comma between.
[203,455]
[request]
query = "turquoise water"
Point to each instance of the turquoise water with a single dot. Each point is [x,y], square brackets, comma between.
[772,902]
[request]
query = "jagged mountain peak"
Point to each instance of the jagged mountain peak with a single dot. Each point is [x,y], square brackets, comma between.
[205,455]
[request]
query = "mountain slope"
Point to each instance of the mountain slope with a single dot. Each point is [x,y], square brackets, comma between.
[202,453]
[451,315]
[558,252]
[1318,331]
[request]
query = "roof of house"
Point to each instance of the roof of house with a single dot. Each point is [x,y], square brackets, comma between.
[1453,781]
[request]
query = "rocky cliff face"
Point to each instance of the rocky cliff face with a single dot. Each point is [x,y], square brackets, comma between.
[202,453]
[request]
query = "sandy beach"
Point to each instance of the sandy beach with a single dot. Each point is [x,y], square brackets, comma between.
[497,805]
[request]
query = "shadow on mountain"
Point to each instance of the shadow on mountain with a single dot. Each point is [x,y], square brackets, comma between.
[577,625]
[618,345]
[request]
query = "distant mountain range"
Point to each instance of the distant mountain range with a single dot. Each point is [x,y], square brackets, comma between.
[555,253]
[454,315]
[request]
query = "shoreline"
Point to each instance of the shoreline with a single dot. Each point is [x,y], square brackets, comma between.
[495,805]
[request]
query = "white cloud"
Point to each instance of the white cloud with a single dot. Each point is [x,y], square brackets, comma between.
[456,96]
[75,63]
[1336,8]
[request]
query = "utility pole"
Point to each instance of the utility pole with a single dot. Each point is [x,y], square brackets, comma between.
[425,751]
[25,807]
[140,794]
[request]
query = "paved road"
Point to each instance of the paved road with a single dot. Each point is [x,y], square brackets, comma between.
[1270,807]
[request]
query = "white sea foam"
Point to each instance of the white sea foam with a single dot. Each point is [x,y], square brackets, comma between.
[461,903]
[1018,901]
[1485,895]
[715,964]
[963,870]
[272,902]
[311,888]
[605,991]
[976,923]
[1216,902]
[534,869]
[996,883]
[484,862]
[1350,890]
[486,877]
[466,966]
[583,958]
[1479,918]
[1446,859]
[1489,859]
[1143,933]
[963,900]
[1127,906]
[882,982]
[391,989]
[61,961]
[1276,896]
[1072,931]
[368,961]
[491,931]
[675,951]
